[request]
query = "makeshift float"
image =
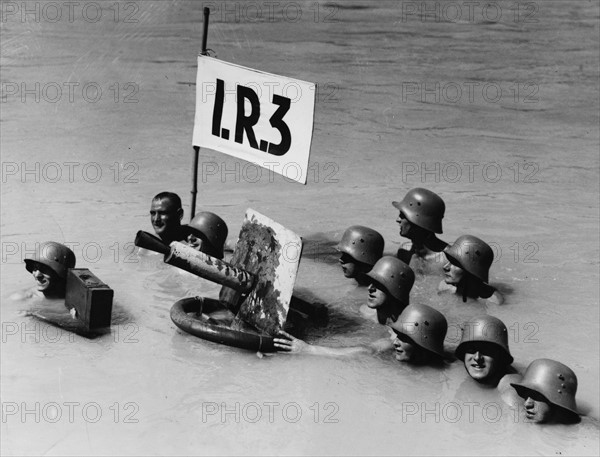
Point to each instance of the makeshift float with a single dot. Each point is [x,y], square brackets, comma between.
[257,283]
[265,119]
[185,314]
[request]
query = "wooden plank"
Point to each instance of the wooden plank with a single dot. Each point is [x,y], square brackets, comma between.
[272,253]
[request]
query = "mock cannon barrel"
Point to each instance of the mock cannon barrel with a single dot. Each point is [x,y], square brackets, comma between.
[189,259]
[208,267]
[150,242]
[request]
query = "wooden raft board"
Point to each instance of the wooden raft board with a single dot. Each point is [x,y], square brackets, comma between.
[272,252]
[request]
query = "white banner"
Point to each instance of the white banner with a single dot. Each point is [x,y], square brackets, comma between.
[263,118]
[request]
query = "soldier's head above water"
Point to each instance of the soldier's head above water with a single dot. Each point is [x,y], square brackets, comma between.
[49,265]
[548,391]
[208,234]
[421,213]
[360,248]
[420,218]
[467,268]
[419,335]
[390,282]
[484,349]
[165,215]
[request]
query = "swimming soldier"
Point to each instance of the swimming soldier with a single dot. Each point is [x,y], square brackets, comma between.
[548,390]
[467,270]
[420,219]
[417,338]
[208,234]
[48,266]
[390,282]
[484,350]
[360,248]
[165,215]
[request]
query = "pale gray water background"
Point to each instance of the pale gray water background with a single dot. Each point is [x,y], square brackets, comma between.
[159,380]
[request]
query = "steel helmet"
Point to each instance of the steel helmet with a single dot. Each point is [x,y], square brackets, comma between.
[424,208]
[362,243]
[425,325]
[54,255]
[554,380]
[471,254]
[396,276]
[487,329]
[213,228]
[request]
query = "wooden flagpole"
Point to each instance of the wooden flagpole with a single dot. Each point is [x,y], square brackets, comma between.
[197,148]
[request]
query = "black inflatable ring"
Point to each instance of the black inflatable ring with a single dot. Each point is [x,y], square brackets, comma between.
[213,332]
